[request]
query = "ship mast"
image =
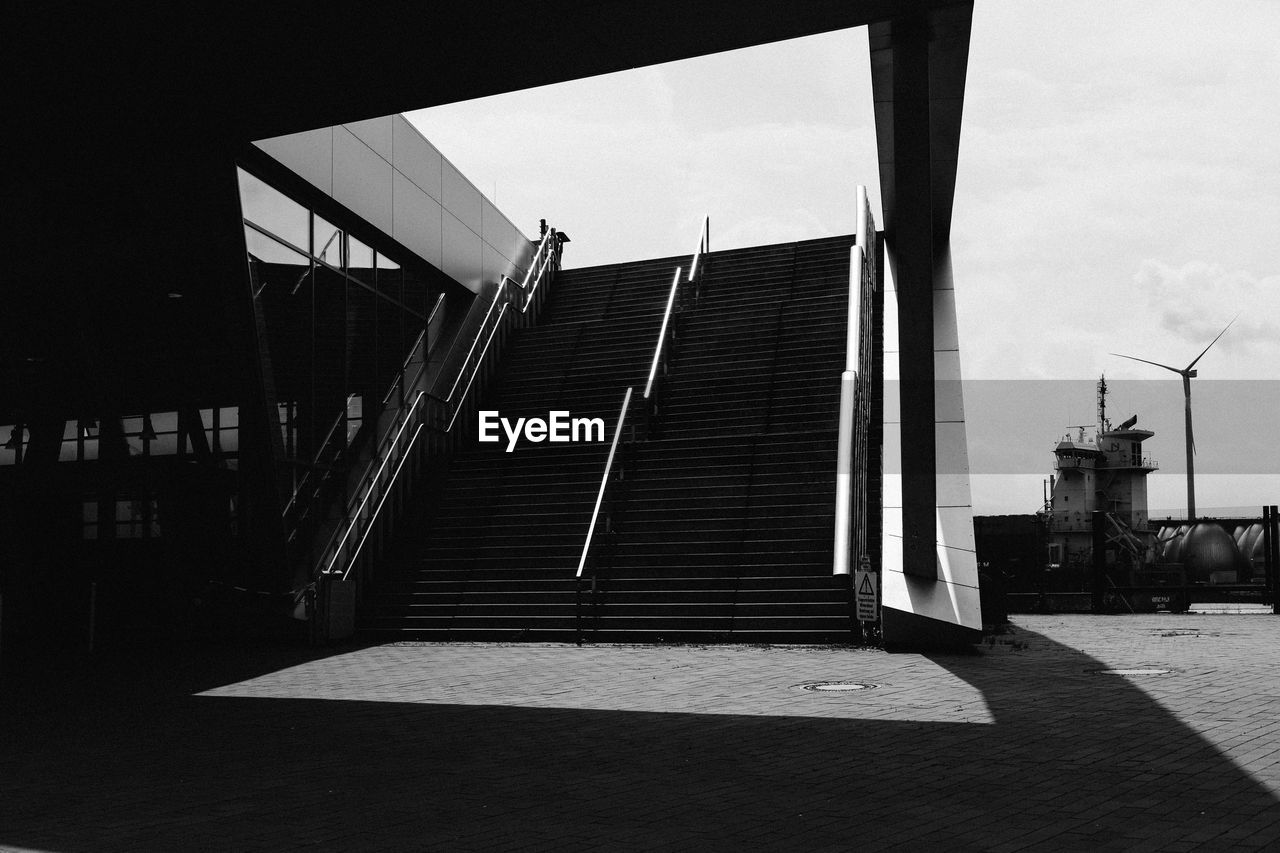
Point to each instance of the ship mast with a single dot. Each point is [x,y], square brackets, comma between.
[1103,424]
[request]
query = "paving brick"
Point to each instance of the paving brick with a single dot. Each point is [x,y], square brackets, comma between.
[556,747]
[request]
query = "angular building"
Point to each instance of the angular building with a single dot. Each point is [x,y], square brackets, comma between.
[246,355]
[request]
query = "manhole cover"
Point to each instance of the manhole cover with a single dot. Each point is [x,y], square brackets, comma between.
[1151,670]
[835,686]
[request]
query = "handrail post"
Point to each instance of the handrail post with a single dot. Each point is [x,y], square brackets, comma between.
[604,480]
[577,609]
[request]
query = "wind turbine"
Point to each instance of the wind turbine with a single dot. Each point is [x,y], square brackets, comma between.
[1187,374]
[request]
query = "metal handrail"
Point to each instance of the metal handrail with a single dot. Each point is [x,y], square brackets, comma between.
[385,452]
[399,382]
[386,448]
[315,461]
[704,246]
[476,369]
[604,481]
[660,349]
[540,259]
[542,247]
[368,492]
[476,340]
[420,341]
[368,526]
[668,329]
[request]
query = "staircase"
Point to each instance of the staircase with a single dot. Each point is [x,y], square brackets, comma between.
[722,530]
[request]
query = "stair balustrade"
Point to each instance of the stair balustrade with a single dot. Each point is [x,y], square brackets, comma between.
[611,476]
[718,531]
[684,295]
[411,407]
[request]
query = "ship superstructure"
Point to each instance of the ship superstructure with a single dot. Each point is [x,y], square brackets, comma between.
[1097,469]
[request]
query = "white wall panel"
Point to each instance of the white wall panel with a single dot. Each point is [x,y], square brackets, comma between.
[953,491]
[955,529]
[384,171]
[460,197]
[503,236]
[417,220]
[309,154]
[495,266]
[361,179]
[953,598]
[376,133]
[416,158]
[461,257]
[947,602]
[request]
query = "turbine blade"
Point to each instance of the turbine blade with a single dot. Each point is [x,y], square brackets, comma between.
[1144,361]
[1212,342]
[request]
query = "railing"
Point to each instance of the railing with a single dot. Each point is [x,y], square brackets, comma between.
[417,355]
[855,413]
[475,358]
[607,480]
[418,410]
[544,256]
[307,496]
[394,450]
[678,300]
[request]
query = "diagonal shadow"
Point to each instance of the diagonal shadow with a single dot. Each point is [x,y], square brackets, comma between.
[1074,761]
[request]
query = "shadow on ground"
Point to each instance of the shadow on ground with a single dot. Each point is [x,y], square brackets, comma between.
[124,757]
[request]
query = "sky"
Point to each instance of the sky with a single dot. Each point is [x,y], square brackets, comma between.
[1118,190]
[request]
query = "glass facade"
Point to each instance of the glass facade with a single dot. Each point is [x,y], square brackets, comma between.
[339,316]
[151,434]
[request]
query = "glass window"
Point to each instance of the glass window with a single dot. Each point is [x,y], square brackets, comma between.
[90,518]
[326,242]
[415,294]
[363,375]
[137,519]
[273,210]
[133,435]
[355,414]
[128,520]
[263,248]
[8,455]
[288,427]
[360,261]
[70,449]
[391,348]
[165,425]
[88,440]
[206,420]
[163,422]
[276,271]
[224,437]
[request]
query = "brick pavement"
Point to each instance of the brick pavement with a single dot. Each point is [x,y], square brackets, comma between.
[548,747]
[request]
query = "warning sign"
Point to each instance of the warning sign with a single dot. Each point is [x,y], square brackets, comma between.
[864,588]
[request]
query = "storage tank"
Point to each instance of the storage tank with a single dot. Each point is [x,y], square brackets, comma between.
[1210,555]
[1171,552]
[1252,534]
[1254,550]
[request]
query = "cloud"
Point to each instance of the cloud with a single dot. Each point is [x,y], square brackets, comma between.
[1196,300]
